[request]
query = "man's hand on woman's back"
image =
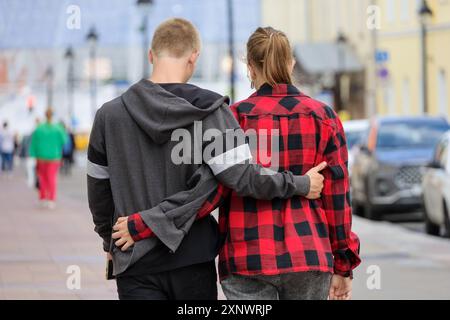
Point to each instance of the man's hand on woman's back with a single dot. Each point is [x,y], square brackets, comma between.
[316,181]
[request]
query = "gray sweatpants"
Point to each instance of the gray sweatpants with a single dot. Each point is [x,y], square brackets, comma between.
[290,286]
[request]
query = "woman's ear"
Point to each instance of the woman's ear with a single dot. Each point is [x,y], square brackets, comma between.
[293,65]
[251,72]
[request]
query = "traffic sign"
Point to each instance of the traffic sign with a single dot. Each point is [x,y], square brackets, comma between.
[381,56]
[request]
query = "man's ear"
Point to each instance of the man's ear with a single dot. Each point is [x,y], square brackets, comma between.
[194,57]
[151,56]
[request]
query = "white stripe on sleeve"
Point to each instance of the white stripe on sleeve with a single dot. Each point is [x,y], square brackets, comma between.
[230,158]
[97,171]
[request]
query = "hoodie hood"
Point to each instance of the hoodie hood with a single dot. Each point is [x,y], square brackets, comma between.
[158,112]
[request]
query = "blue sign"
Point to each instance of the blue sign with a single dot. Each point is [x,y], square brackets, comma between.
[381,56]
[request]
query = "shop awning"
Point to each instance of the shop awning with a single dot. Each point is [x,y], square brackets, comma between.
[326,58]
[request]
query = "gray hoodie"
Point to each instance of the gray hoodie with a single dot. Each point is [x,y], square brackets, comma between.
[130,167]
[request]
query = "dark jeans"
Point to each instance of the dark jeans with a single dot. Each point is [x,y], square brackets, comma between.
[7,161]
[289,286]
[196,282]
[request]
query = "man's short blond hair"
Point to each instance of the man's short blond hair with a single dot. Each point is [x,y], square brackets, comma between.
[175,37]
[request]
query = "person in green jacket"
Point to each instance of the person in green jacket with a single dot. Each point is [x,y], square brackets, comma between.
[46,146]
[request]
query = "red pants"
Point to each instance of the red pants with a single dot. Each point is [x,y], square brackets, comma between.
[48,175]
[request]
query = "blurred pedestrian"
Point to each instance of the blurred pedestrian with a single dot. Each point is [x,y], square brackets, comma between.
[68,151]
[46,146]
[7,148]
[30,162]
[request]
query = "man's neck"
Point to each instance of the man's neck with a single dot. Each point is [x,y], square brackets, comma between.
[168,73]
[166,78]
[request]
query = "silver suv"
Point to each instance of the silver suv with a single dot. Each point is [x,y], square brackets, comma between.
[387,171]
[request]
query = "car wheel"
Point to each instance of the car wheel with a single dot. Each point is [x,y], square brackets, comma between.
[356,208]
[430,227]
[371,213]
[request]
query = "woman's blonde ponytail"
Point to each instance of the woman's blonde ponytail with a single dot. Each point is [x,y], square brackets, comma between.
[269,50]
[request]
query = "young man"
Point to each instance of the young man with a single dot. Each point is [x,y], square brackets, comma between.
[132,169]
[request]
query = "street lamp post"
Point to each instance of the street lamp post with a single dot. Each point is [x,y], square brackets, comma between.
[69,55]
[92,39]
[341,43]
[145,7]
[49,77]
[231,50]
[425,14]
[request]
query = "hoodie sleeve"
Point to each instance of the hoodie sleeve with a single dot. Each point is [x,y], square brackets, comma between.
[100,197]
[228,155]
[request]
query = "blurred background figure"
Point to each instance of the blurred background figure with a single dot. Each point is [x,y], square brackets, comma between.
[68,151]
[46,146]
[24,154]
[7,148]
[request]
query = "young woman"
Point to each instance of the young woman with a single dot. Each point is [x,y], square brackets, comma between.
[296,248]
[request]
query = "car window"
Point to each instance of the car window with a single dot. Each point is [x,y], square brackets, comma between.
[354,138]
[410,135]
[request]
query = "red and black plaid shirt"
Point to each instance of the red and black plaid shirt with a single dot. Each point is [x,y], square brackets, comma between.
[295,235]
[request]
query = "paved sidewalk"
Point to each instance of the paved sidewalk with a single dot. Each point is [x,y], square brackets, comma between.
[412,265]
[37,246]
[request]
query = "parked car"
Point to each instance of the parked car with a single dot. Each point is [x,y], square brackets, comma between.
[436,190]
[387,172]
[355,130]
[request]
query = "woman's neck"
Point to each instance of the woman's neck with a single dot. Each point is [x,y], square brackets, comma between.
[259,83]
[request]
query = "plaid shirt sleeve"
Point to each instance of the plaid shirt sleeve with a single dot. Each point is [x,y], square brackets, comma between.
[337,205]
[140,231]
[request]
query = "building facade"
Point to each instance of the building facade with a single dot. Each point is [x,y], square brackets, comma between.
[385,35]
[315,24]
[400,87]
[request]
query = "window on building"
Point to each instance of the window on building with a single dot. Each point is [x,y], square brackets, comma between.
[390,10]
[404,13]
[389,98]
[406,99]
[443,93]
